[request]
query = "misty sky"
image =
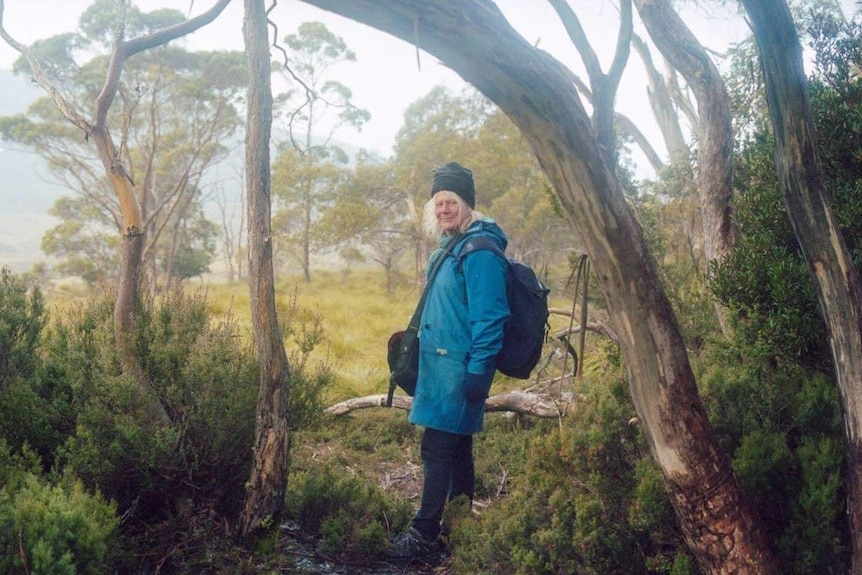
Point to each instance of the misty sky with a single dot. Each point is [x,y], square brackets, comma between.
[386,78]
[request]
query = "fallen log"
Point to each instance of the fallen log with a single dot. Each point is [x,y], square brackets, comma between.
[535,404]
[593,326]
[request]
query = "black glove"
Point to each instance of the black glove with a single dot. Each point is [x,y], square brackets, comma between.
[476,386]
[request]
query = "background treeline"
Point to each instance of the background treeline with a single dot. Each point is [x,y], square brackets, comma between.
[87,487]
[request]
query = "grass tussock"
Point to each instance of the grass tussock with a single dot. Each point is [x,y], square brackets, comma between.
[356,317]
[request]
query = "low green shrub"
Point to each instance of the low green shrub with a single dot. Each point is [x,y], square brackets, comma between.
[22,316]
[590,501]
[30,412]
[55,530]
[782,424]
[204,375]
[349,516]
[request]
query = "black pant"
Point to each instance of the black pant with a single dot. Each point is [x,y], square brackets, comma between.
[448,467]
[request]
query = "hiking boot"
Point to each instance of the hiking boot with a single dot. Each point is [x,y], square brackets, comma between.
[411,545]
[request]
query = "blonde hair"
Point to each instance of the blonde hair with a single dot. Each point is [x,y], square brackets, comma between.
[429,218]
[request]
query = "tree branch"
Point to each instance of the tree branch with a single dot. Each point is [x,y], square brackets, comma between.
[64,106]
[179,30]
[537,405]
[593,326]
[123,50]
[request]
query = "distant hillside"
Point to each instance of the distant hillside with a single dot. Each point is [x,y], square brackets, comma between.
[18,92]
[26,193]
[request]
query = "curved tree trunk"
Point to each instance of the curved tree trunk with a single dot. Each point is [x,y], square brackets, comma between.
[836,279]
[264,502]
[715,130]
[474,39]
[715,152]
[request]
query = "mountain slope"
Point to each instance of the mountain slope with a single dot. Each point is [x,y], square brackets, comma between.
[26,192]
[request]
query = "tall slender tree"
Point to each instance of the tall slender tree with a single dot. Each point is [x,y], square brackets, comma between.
[316,107]
[837,281]
[177,117]
[264,502]
[714,129]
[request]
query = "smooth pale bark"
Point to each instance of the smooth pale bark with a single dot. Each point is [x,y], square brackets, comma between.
[266,487]
[604,86]
[474,39]
[663,109]
[629,128]
[96,129]
[625,124]
[808,204]
[715,143]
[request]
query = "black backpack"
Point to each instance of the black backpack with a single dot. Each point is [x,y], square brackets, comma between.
[527,327]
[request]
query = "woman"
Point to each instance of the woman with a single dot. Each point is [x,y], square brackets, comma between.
[460,335]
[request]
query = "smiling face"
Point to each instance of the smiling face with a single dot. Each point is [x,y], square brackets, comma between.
[448,211]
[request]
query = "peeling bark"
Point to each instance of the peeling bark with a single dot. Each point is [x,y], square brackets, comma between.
[836,279]
[266,487]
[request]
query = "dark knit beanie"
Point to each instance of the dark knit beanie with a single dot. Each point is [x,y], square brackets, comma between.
[455,178]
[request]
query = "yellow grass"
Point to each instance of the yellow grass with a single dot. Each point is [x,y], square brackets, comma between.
[357,317]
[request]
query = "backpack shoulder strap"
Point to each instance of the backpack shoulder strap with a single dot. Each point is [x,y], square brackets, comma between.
[449,250]
[479,243]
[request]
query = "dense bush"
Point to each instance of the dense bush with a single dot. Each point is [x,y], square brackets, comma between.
[21,320]
[770,388]
[764,281]
[204,376]
[349,516]
[51,529]
[590,502]
[782,424]
[29,411]
[66,406]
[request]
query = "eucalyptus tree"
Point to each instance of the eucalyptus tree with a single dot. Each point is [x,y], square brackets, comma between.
[267,483]
[809,206]
[306,188]
[105,87]
[313,110]
[714,128]
[177,115]
[369,217]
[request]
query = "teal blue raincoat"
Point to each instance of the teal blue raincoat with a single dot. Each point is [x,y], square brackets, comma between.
[461,331]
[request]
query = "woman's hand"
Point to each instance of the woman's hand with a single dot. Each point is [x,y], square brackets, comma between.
[476,386]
